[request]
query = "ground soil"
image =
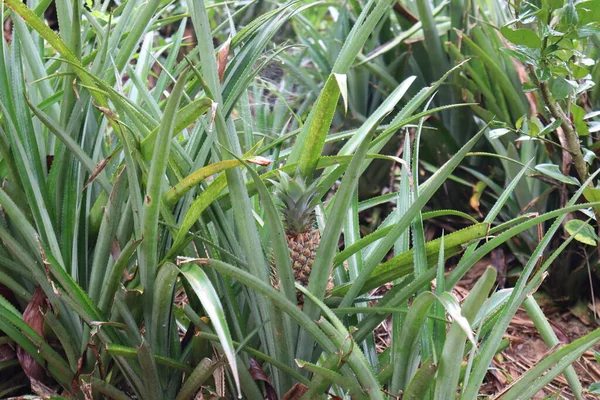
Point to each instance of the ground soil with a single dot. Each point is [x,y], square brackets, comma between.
[527,347]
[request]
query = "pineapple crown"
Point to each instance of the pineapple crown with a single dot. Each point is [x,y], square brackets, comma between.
[296,201]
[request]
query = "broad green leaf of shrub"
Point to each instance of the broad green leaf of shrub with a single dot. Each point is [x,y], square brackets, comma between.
[579,71]
[522,36]
[586,234]
[580,124]
[524,54]
[561,88]
[592,195]
[588,11]
[555,4]
[529,87]
[553,172]
[543,74]
[569,17]
[588,155]
[550,128]
[594,388]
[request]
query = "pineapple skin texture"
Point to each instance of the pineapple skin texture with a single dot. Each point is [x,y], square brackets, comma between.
[303,249]
[295,199]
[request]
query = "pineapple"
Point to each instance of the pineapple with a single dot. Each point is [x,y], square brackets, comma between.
[297,207]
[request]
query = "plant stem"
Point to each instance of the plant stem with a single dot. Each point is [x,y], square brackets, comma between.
[572,138]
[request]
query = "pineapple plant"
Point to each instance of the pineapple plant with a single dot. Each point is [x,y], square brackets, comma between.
[296,201]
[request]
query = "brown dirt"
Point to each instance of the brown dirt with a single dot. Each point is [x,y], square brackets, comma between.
[527,347]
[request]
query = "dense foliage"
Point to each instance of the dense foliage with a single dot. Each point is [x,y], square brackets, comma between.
[185,186]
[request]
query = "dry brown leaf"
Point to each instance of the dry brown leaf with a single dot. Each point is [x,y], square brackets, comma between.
[295,392]
[42,390]
[222,59]
[49,161]
[258,160]
[33,317]
[86,389]
[581,311]
[6,353]
[258,374]
[7,30]
[560,334]
[107,112]
[115,249]
[405,13]
[74,84]
[213,114]
[99,168]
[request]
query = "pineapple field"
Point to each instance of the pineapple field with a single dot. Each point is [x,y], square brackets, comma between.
[303,199]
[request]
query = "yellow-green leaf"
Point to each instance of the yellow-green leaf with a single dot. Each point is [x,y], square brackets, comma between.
[583,231]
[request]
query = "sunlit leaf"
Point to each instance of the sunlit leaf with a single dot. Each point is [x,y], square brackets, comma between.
[583,231]
[496,133]
[453,309]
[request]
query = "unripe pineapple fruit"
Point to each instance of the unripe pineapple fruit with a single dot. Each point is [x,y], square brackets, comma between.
[296,202]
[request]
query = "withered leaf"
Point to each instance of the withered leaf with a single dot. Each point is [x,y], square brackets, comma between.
[6,353]
[42,390]
[295,392]
[258,374]
[222,59]
[115,249]
[258,160]
[99,168]
[33,317]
